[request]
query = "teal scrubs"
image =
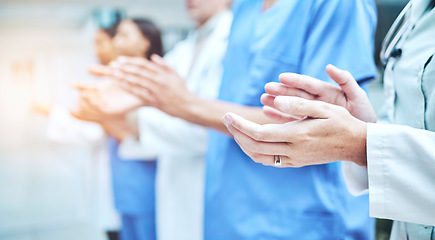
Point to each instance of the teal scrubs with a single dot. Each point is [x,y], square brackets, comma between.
[133,184]
[246,200]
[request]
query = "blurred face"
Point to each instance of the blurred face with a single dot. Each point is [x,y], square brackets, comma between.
[203,10]
[129,40]
[104,47]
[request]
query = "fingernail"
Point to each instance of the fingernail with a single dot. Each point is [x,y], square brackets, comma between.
[228,120]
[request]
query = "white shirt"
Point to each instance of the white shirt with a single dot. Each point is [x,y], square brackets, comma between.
[400,177]
[180,146]
[65,129]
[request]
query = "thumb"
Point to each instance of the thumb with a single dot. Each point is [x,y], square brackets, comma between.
[346,81]
[301,108]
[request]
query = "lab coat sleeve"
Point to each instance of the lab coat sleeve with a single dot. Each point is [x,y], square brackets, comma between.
[163,133]
[132,149]
[401,173]
[64,128]
[356,178]
[341,33]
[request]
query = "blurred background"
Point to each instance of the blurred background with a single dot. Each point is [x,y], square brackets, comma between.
[47,189]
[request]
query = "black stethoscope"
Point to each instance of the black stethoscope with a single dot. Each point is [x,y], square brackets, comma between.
[393,36]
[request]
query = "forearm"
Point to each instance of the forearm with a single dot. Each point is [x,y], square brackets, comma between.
[209,113]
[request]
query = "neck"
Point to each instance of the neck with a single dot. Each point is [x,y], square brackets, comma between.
[202,23]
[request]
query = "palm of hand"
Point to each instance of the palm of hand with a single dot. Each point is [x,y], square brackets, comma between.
[111,100]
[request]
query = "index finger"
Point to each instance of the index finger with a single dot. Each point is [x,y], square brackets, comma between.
[139,62]
[308,84]
[280,89]
[296,106]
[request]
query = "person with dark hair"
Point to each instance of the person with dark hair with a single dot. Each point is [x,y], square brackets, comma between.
[105,103]
[178,145]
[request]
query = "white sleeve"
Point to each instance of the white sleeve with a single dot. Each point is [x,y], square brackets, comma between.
[356,178]
[401,173]
[132,149]
[64,128]
[164,134]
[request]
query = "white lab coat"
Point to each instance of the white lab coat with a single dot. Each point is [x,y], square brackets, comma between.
[400,177]
[180,146]
[65,129]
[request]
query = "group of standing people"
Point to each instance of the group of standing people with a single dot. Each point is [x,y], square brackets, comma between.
[174,110]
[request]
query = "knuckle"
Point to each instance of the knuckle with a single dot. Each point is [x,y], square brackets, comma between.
[341,110]
[297,105]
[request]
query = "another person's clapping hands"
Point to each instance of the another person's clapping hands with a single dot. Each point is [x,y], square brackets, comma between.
[152,81]
[107,104]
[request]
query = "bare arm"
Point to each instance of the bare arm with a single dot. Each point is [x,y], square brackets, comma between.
[209,113]
[161,87]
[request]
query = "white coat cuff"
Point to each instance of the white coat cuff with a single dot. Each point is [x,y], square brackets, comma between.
[132,149]
[356,178]
[376,142]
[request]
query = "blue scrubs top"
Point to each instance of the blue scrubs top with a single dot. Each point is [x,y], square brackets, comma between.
[133,183]
[246,200]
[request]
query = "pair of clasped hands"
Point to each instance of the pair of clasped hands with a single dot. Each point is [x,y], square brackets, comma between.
[318,122]
[130,83]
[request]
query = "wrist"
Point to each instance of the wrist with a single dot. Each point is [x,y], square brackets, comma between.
[187,108]
[359,155]
[118,128]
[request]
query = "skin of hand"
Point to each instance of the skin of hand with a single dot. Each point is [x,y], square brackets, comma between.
[108,98]
[348,94]
[317,128]
[159,86]
[119,128]
[325,133]
[108,105]
[154,82]
[42,108]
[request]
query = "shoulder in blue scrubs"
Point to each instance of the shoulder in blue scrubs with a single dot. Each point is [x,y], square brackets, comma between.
[246,200]
[134,193]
